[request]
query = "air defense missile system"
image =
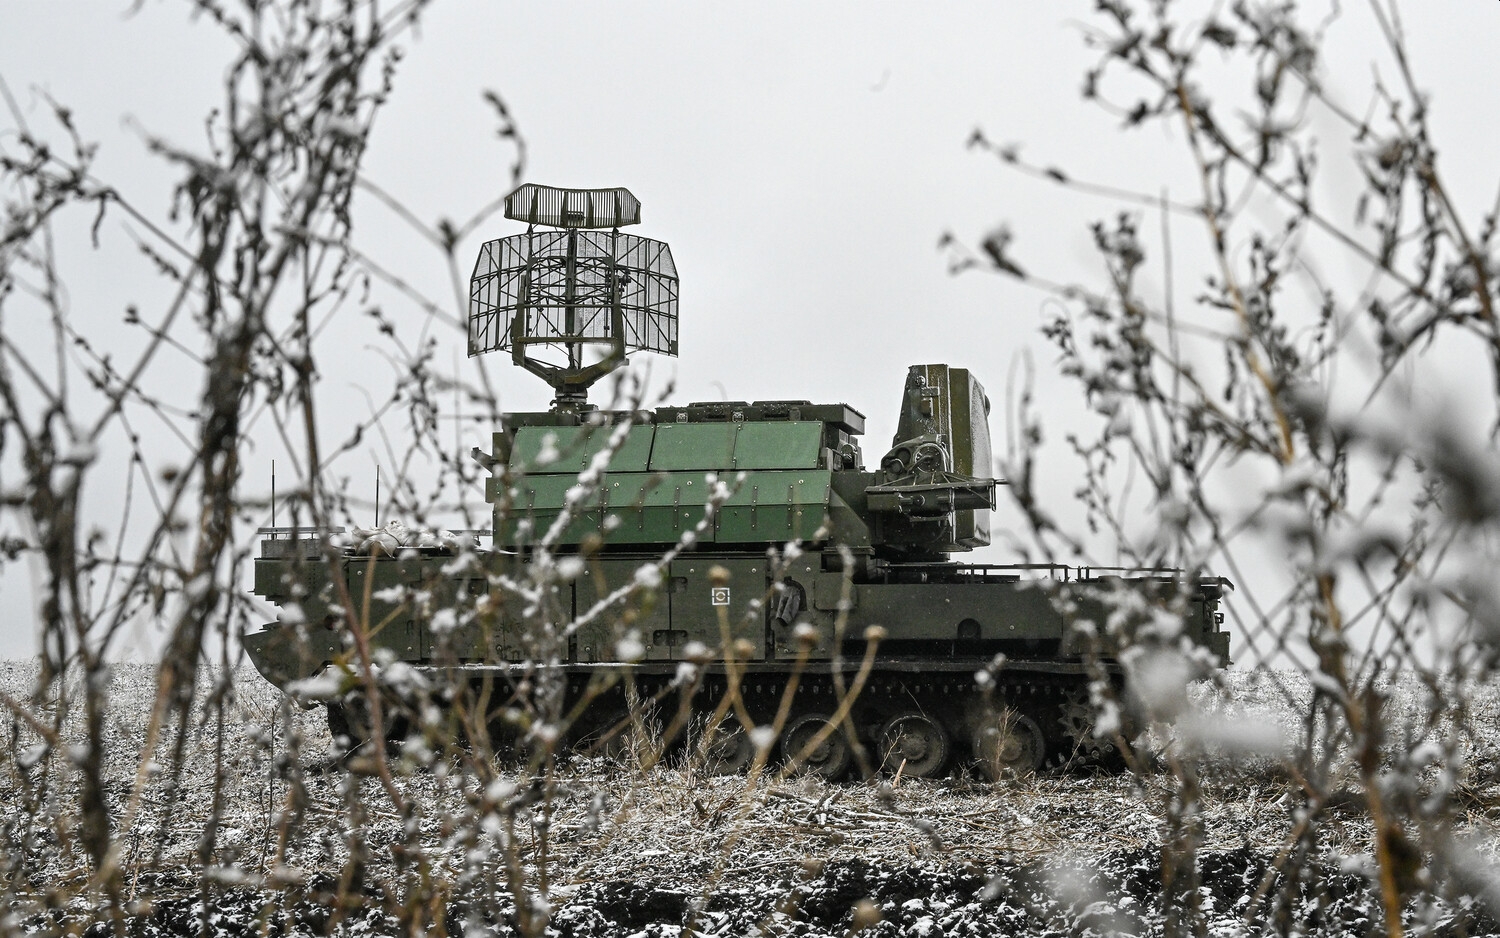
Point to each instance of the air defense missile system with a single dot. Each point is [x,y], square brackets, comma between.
[731,573]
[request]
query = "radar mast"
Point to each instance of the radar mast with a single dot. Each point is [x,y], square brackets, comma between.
[572,296]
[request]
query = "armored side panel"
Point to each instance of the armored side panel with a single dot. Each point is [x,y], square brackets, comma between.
[968,414]
[419,605]
[647,612]
[656,477]
[712,610]
[293,573]
[978,609]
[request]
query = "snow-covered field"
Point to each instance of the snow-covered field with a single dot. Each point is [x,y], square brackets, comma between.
[612,850]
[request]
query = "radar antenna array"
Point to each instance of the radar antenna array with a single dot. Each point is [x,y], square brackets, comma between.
[570,300]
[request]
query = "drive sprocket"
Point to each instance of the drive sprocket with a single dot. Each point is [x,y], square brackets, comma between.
[1084,748]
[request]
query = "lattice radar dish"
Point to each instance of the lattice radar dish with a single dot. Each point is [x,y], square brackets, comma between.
[571,301]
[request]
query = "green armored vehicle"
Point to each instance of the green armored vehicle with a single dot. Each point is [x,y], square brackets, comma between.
[736,562]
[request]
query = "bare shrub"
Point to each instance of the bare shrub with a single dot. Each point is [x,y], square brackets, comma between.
[1261,388]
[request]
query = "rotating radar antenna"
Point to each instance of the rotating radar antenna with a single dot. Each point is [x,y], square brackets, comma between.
[572,296]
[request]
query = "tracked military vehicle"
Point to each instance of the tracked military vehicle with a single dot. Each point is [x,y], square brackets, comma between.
[737,562]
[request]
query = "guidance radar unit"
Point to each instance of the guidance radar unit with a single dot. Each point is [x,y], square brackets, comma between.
[715,567]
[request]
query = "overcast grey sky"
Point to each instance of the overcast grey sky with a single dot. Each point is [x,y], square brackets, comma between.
[802,159]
